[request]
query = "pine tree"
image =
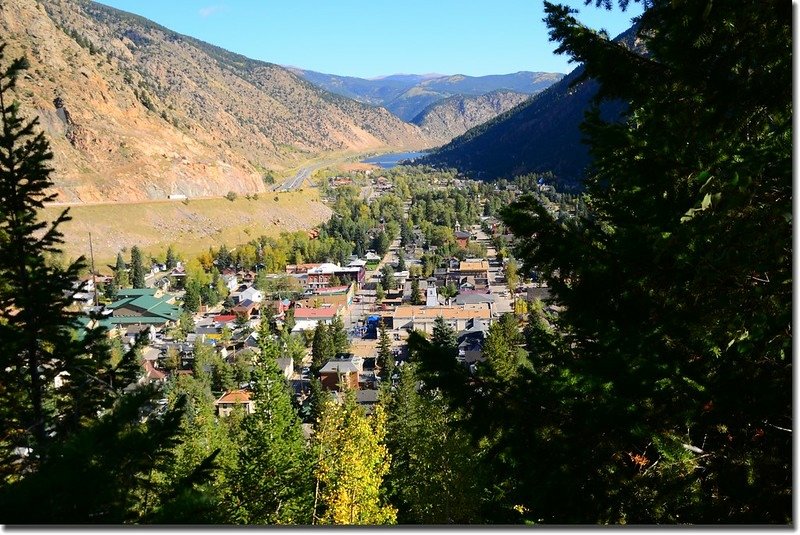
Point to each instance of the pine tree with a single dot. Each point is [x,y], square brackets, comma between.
[202,435]
[172,259]
[406,233]
[223,257]
[191,297]
[385,355]
[512,275]
[338,336]
[503,349]
[443,336]
[387,278]
[380,294]
[416,299]
[317,399]
[36,331]
[381,243]
[670,354]
[436,475]
[401,260]
[273,481]
[137,268]
[57,441]
[288,320]
[322,348]
[120,273]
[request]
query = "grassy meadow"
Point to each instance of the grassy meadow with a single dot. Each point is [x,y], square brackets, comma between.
[190,226]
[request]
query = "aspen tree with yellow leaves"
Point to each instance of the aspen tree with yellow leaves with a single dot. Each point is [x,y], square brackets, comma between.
[352,460]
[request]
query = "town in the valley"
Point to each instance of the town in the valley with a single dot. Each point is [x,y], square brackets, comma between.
[423,265]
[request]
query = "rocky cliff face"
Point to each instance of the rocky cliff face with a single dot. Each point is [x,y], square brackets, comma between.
[453,116]
[135,111]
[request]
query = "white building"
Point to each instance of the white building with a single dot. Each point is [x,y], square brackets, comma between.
[431,296]
[252,294]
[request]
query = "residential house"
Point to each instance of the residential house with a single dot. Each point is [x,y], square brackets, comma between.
[178,274]
[231,281]
[152,374]
[247,276]
[223,320]
[83,291]
[340,373]
[233,400]
[246,308]
[372,257]
[286,365]
[307,318]
[251,294]
[132,332]
[471,340]
[475,271]
[462,238]
[367,398]
[358,263]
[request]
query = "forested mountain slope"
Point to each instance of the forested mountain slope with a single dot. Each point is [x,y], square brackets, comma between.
[539,136]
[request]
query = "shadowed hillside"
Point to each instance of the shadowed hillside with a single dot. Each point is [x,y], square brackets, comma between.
[541,135]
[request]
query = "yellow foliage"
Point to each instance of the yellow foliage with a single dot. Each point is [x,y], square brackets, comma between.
[352,461]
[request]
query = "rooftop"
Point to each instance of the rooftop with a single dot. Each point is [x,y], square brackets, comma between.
[474,265]
[234,396]
[423,312]
[464,298]
[317,301]
[145,299]
[339,366]
[315,313]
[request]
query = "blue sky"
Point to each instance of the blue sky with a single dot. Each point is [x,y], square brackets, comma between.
[369,38]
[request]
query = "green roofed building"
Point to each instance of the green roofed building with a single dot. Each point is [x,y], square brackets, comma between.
[142,306]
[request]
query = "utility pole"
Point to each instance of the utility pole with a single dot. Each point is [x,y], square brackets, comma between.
[94,278]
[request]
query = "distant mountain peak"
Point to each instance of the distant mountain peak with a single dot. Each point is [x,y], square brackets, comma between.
[402,76]
[541,135]
[407,95]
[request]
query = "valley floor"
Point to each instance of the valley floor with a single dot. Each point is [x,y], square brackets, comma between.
[193,225]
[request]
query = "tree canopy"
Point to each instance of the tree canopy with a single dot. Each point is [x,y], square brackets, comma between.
[661,391]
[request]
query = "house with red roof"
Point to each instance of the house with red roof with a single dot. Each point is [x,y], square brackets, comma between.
[233,400]
[224,319]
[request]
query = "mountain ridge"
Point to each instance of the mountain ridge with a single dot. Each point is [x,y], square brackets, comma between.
[541,135]
[456,115]
[407,95]
[136,111]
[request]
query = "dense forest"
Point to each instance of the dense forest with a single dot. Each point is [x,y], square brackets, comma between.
[657,391]
[661,393]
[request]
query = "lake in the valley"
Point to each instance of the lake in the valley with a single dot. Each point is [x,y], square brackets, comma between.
[388,161]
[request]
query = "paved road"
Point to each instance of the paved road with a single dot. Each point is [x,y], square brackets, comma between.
[296,181]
